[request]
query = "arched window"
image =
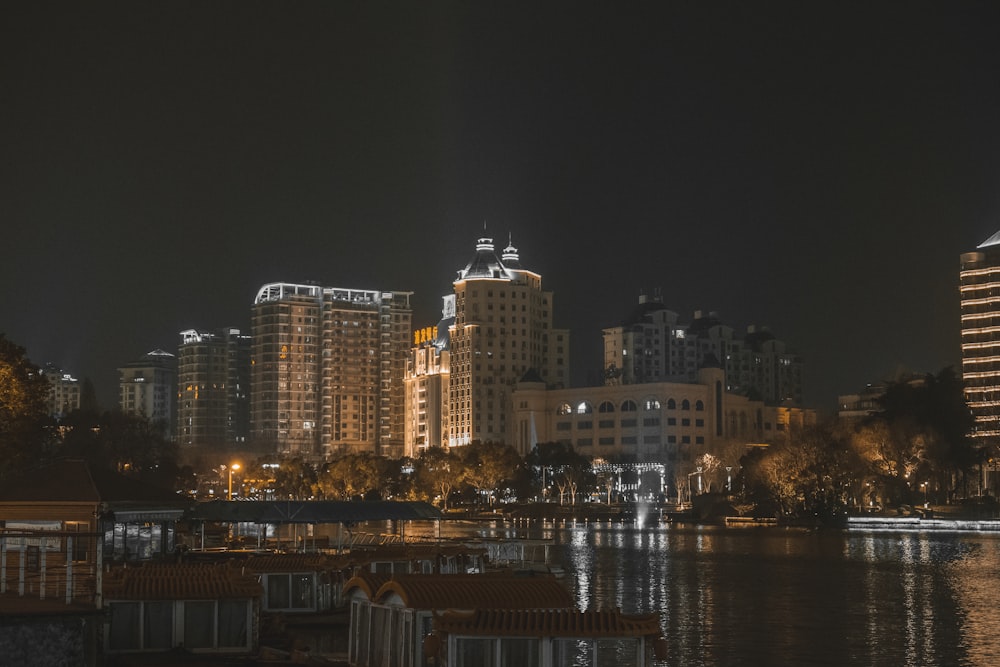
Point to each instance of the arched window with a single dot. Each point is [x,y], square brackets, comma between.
[651,404]
[699,406]
[565,409]
[685,404]
[629,406]
[671,404]
[606,406]
[584,408]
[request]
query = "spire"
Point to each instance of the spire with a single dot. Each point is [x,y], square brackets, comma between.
[485,264]
[509,256]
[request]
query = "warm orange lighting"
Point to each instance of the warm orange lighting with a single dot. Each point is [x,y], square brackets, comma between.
[235,466]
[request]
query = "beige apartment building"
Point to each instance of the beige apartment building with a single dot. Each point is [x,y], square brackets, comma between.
[503,328]
[327,370]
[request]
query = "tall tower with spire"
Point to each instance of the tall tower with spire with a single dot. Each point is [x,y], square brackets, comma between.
[503,329]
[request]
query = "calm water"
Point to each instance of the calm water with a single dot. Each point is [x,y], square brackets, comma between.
[776,596]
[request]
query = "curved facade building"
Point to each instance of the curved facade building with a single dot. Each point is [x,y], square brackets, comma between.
[980,300]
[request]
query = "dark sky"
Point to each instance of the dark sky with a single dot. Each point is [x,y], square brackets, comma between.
[813,167]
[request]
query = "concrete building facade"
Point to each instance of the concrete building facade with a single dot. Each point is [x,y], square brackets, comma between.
[427,384]
[659,422]
[503,328]
[213,389]
[653,345]
[327,370]
[148,387]
[64,391]
[979,285]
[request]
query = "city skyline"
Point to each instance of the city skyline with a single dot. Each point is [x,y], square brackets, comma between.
[816,170]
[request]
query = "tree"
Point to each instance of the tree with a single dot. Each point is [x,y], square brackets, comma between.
[438,472]
[122,442]
[23,408]
[353,476]
[560,464]
[811,475]
[929,423]
[488,465]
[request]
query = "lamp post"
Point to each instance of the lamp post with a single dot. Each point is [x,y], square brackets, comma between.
[924,484]
[235,466]
[729,479]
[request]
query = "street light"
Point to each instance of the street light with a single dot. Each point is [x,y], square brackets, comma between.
[235,466]
[924,484]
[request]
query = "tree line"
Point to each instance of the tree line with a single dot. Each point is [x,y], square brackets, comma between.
[914,448]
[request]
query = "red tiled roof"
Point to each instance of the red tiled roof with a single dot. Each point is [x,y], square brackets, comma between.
[367,582]
[476,591]
[548,623]
[174,581]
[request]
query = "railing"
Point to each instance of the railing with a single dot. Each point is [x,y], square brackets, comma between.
[51,565]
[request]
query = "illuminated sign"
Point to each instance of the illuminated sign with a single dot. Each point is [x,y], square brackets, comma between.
[425,335]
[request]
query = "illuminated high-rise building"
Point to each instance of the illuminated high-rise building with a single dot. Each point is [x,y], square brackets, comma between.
[148,387]
[427,384]
[327,369]
[979,280]
[213,389]
[502,329]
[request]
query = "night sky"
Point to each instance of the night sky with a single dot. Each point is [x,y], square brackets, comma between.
[813,167]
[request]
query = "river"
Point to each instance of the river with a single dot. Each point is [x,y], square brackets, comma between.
[783,596]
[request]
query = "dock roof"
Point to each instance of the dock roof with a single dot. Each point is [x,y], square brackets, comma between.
[311,511]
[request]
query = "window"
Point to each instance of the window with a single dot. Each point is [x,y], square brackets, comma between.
[232,620]
[699,406]
[629,406]
[606,406]
[519,651]
[199,623]
[651,404]
[158,625]
[564,409]
[685,404]
[124,632]
[474,652]
[290,591]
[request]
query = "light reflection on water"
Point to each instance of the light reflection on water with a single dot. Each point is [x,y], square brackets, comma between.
[775,596]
